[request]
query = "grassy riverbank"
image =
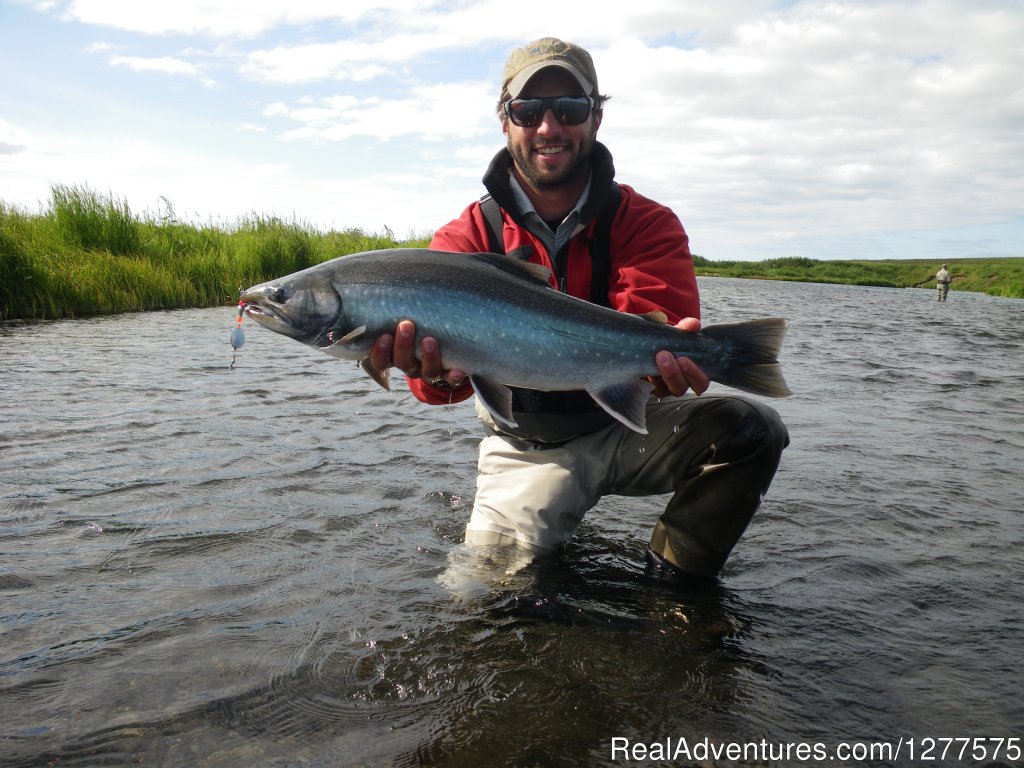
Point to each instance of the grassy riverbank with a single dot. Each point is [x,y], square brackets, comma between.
[88,253]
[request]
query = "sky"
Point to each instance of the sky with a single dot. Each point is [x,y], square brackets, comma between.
[827,130]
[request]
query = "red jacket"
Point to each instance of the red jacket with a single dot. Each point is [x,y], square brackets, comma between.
[651,266]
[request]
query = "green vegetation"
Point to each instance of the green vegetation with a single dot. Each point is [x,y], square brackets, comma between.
[88,253]
[996,277]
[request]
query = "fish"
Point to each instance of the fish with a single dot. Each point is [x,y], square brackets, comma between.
[498,319]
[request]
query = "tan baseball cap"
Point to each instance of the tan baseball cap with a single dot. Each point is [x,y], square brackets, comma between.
[525,62]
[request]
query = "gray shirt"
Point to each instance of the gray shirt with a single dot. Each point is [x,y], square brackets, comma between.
[553,241]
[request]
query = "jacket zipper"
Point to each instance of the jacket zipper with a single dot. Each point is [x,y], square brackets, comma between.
[559,264]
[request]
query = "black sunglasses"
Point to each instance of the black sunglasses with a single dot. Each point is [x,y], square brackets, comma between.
[568,110]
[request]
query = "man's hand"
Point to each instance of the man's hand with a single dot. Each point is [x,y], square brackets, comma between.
[400,350]
[679,374]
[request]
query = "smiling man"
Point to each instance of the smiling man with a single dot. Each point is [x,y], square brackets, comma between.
[552,200]
[551,155]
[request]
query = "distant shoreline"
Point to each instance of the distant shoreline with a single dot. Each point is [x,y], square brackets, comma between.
[995,277]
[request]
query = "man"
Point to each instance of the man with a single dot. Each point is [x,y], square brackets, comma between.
[717,455]
[942,278]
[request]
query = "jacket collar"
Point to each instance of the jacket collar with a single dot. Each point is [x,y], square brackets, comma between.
[602,172]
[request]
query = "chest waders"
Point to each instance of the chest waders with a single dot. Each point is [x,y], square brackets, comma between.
[717,457]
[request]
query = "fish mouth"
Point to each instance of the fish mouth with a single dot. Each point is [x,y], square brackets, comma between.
[261,306]
[261,313]
[266,314]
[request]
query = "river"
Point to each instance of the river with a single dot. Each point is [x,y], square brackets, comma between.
[263,566]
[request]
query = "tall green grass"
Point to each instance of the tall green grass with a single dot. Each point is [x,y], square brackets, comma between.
[88,253]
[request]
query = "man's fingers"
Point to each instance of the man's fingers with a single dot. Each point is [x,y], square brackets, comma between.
[694,376]
[430,359]
[678,374]
[404,353]
[689,324]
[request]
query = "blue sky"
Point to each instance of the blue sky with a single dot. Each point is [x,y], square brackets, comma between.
[867,129]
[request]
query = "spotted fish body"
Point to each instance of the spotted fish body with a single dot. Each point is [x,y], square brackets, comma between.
[499,320]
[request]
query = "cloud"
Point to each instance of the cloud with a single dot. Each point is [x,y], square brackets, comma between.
[98,47]
[827,119]
[342,60]
[165,64]
[457,110]
[13,139]
[224,18]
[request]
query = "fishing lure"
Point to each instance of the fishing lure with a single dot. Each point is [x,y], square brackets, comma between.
[237,334]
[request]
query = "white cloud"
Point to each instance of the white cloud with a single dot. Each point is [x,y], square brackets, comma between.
[342,60]
[98,47]
[457,110]
[14,139]
[827,119]
[224,18]
[165,64]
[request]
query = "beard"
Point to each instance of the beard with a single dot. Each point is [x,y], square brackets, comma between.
[566,177]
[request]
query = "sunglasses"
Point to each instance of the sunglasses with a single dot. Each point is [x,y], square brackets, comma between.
[568,110]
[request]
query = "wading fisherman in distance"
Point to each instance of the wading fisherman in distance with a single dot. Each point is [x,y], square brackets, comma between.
[942,278]
[553,201]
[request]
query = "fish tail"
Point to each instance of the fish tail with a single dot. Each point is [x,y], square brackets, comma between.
[751,351]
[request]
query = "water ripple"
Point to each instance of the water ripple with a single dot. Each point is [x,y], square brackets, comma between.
[264,566]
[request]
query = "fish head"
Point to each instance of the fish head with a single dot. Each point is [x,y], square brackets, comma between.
[304,306]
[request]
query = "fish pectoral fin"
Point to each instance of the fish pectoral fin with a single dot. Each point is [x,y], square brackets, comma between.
[337,346]
[627,402]
[381,377]
[495,398]
[355,333]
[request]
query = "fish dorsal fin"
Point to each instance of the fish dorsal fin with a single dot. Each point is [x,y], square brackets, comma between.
[525,270]
[627,402]
[495,398]
[655,316]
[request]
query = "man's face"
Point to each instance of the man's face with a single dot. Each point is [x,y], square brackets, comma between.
[551,155]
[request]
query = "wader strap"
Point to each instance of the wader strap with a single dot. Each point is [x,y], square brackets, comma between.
[492,215]
[600,256]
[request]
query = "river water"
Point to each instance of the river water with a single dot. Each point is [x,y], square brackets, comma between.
[262,566]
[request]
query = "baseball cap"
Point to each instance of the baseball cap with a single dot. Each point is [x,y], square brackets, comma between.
[523,63]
